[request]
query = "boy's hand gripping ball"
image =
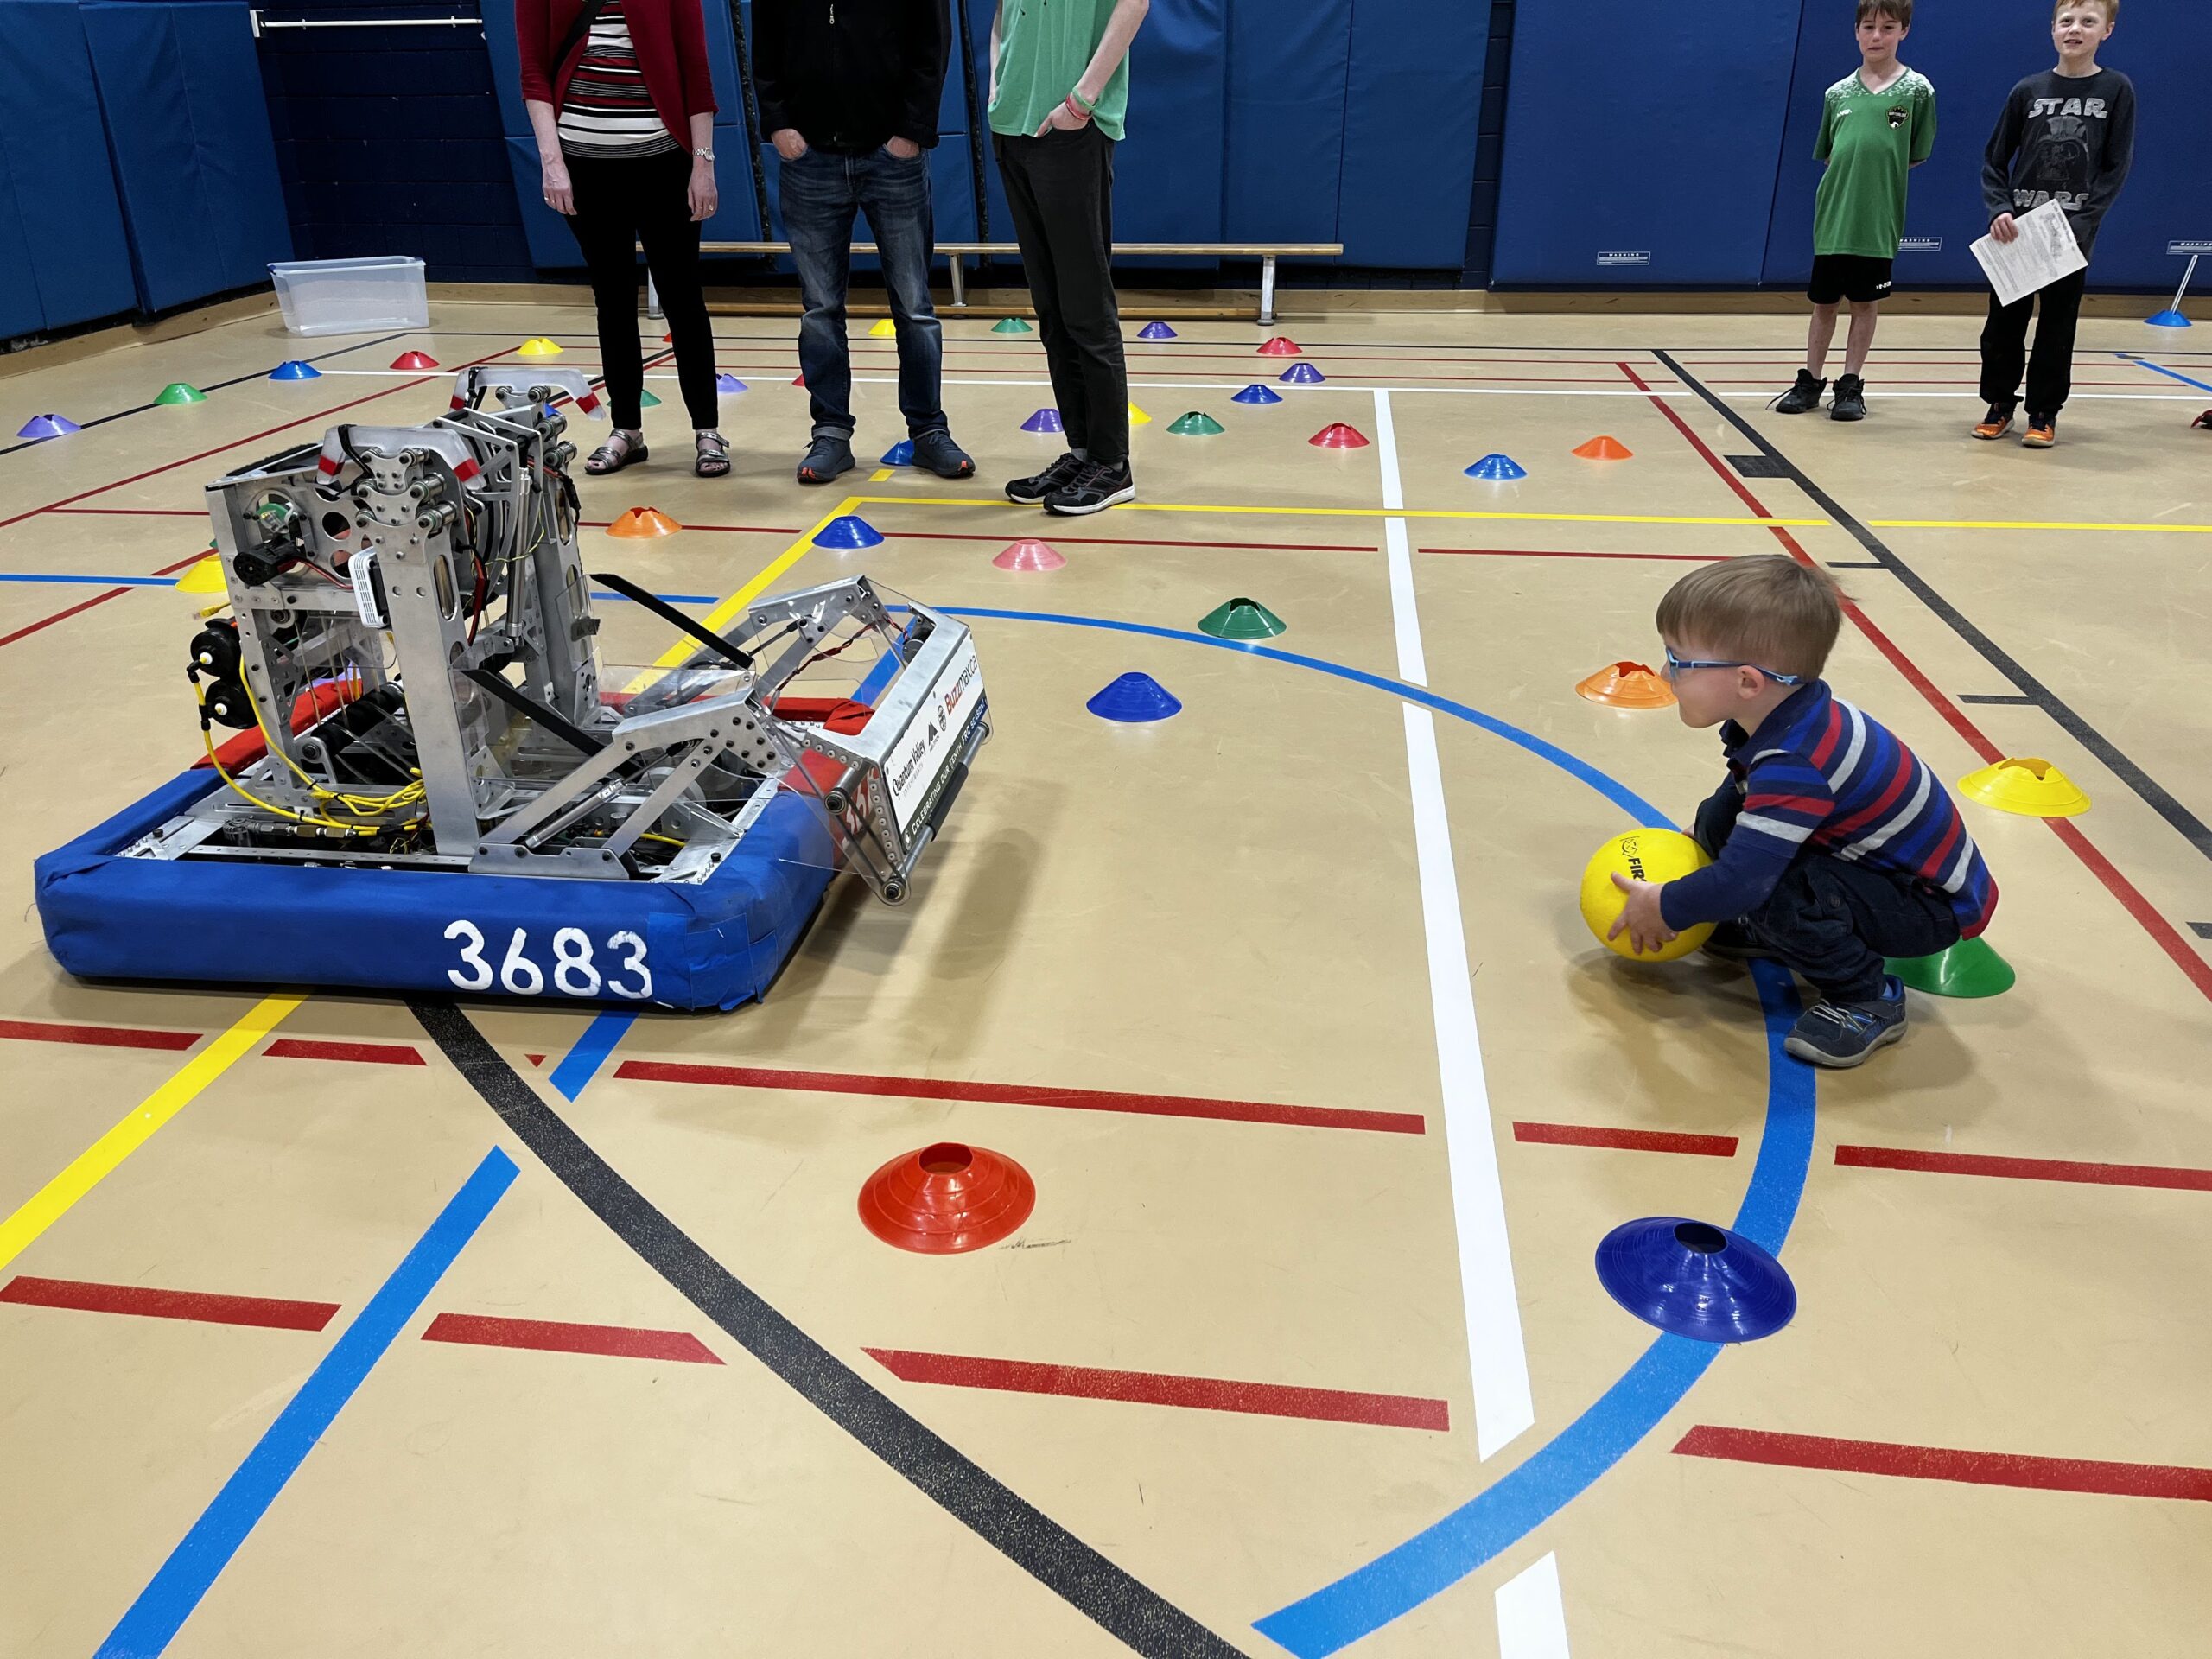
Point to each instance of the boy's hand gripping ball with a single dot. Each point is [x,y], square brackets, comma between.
[1655,855]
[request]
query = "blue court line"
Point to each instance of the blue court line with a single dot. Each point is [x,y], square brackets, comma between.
[1499,1516]
[2160,368]
[169,1600]
[581,1064]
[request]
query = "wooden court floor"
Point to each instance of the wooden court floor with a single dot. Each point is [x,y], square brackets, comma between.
[332,1325]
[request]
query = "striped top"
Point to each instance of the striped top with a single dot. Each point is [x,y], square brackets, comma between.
[1819,775]
[609,110]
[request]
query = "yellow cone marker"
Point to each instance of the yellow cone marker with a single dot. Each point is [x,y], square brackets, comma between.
[2030,786]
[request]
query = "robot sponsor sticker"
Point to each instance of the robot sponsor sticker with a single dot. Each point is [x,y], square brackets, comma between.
[928,745]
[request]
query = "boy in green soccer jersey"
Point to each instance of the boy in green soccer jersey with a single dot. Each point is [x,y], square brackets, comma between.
[1879,123]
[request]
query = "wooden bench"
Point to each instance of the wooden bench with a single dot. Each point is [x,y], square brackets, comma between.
[958,253]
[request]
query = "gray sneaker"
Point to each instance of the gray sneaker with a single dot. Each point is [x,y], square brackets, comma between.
[828,456]
[936,452]
[1845,1034]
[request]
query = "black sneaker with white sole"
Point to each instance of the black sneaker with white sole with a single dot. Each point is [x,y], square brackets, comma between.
[1031,490]
[1094,489]
[1845,1034]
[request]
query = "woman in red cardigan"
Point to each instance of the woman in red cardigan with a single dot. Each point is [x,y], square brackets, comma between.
[620,100]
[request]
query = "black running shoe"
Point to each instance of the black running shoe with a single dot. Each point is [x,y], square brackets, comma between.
[1845,1034]
[1058,476]
[1095,488]
[1849,403]
[936,452]
[827,457]
[1803,396]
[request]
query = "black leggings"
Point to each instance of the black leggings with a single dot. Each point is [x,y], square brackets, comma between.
[621,203]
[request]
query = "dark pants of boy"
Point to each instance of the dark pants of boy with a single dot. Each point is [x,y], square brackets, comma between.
[1061,189]
[1834,921]
[820,193]
[620,203]
[2005,347]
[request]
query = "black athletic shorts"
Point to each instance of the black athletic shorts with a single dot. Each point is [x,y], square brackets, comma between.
[1848,276]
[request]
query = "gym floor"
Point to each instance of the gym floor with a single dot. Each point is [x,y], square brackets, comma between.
[1284,1002]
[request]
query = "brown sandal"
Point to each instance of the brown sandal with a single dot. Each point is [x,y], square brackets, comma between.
[621,450]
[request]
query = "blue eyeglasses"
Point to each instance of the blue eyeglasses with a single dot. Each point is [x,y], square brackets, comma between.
[1676,664]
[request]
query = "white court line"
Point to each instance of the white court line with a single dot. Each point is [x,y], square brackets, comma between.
[1531,1618]
[1352,385]
[1496,1357]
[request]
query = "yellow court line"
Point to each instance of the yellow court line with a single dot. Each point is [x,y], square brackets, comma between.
[879,475]
[735,604]
[1738,520]
[98,1160]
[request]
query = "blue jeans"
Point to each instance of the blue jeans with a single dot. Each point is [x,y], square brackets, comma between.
[821,192]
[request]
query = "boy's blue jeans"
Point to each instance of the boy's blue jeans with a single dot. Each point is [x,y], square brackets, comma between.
[1833,920]
[821,192]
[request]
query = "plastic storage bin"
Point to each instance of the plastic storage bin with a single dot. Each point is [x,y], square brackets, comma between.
[348,296]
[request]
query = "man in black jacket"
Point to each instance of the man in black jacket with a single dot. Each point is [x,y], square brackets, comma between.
[848,96]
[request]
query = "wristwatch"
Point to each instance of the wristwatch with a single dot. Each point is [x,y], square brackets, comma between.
[704,155]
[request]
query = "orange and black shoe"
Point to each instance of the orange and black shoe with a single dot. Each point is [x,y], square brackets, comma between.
[2041,433]
[1996,423]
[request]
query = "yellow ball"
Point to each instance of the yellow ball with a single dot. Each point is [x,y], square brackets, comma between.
[1658,856]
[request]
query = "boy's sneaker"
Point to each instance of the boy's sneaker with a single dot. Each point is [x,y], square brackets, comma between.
[1996,423]
[1850,401]
[1058,476]
[1733,942]
[2041,433]
[827,457]
[1094,489]
[1802,398]
[936,452]
[1845,1034]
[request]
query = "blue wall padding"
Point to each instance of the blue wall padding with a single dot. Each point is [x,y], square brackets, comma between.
[1412,104]
[1285,131]
[188,131]
[2165,50]
[57,188]
[1626,132]
[1167,172]
[714,944]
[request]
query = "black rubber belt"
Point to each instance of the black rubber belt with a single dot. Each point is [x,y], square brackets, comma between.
[1060,1560]
[2191,827]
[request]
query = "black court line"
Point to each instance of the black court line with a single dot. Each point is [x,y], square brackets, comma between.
[1856,564]
[1997,699]
[2185,822]
[235,380]
[1126,1608]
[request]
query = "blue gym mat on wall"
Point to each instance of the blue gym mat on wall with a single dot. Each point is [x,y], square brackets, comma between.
[188,132]
[63,255]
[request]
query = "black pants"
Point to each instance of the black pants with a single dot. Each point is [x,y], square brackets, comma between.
[1061,189]
[2005,347]
[1834,921]
[621,203]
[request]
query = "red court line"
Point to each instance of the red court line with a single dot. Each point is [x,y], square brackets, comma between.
[735,529]
[1941,1462]
[62,616]
[1158,1388]
[1589,1135]
[274,1314]
[47,1031]
[1004,1094]
[310,1048]
[2026,1169]
[1139,541]
[1557,553]
[559,1336]
[2163,932]
[132,512]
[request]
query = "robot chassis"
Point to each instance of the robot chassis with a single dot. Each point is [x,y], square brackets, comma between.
[411,635]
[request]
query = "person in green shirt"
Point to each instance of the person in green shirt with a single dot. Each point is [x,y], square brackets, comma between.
[1059,91]
[1878,124]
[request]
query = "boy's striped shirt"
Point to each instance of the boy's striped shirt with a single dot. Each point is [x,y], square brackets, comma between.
[609,110]
[1821,776]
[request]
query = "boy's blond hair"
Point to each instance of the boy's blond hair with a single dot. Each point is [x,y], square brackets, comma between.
[2110,8]
[1900,9]
[1766,609]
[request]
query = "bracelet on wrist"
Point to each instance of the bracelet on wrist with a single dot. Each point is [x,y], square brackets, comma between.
[1076,111]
